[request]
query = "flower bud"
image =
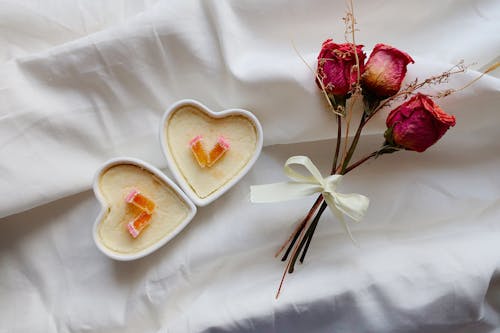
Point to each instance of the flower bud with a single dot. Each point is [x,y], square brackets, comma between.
[384,72]
[417,124]
[337,67]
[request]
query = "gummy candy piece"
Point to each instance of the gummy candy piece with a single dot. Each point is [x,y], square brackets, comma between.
[140,201]
[198,151]
[218,151]
[135,226]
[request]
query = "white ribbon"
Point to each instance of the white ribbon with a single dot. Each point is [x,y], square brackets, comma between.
[353,205]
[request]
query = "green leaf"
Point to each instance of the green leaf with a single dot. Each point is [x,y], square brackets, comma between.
[338,100]
[370,104]
[387,149]
[389,140]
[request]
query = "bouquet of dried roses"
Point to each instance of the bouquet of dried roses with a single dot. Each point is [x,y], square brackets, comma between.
[346,79]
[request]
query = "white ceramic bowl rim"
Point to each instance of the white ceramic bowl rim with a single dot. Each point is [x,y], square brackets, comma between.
[104,208]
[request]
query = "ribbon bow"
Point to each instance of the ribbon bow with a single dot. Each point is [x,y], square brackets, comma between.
[353,205]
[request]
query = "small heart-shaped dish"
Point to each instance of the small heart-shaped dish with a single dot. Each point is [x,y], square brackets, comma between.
[189,119]
[112,182]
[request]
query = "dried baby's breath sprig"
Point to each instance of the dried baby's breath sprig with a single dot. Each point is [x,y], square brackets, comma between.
[411,88]
[350,36]
[448,92]
[444,77]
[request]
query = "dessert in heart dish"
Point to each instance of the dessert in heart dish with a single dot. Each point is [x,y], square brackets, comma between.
[223,147]
[127,229]
[142,209]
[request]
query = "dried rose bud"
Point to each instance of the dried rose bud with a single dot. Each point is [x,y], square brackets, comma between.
[337,67]
[417,124]
[384,71]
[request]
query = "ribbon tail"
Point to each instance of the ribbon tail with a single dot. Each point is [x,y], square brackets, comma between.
[339,215]
[348,231]
[353,205]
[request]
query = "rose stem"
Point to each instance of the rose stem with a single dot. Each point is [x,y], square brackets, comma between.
[310,231]
[293,237]
[354,143]
[361,161]
[337,147]
[312,227]
[304,239]
[295,234]
[287,270]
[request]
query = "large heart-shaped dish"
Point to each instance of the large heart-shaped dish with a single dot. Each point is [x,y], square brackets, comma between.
[187,119]
[113,181]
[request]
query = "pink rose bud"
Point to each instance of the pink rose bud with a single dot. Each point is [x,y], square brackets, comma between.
[336,67]
[417,124]
[384,71]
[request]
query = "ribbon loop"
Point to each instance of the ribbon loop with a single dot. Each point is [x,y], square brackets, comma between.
[353,205]
[308,164]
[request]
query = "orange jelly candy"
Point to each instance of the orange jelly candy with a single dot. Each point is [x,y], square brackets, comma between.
[198,151]
[140,201]
[218,151]
[135,226]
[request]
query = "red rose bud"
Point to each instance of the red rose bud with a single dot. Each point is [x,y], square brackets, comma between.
[335,67]
[417,124]
[384,71]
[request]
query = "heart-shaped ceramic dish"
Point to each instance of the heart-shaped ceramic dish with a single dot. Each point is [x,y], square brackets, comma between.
[112,182]
[188,119]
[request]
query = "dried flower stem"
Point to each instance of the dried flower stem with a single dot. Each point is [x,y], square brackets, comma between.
[296,232]
[361,161]
[310,231]
[312,228]
[337,146]
[293,237]
[300,228]
[354,143]
[349,113]
[289,264]
[308,237]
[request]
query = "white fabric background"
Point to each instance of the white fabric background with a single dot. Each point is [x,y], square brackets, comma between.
[81,82]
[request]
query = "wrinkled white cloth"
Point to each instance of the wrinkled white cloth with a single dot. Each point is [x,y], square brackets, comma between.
[81,82]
